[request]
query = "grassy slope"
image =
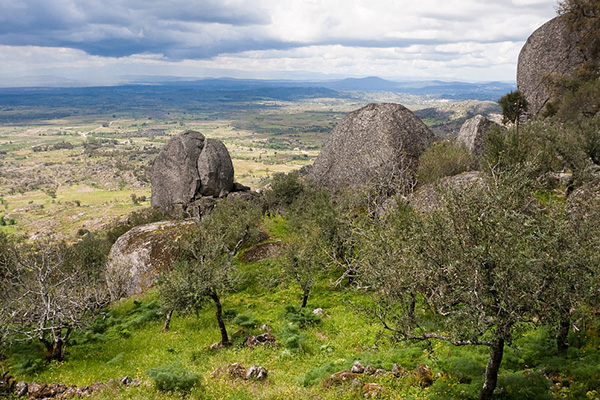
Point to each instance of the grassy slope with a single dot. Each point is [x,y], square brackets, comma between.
[130,346]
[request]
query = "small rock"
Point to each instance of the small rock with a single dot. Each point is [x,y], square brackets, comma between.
[371,389]
[266,328]
[135,382]
[357,368]
[126,381]
[370,370]
[343,376]
[257,373]
[357,383]
[398,370]
[267,338]
[216,346]
[379,372]
[20,388]
[69,393]
[97,386]
[34,389]
[320,312]
[250,341]
[237,370]
[424,375]
[216,374]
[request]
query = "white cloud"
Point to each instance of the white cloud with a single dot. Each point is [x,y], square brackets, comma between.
[451,39]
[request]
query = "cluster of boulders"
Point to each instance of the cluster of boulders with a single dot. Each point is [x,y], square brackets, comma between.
[58,391]
[188,168]
[238,371]
[354,376]
[265,339]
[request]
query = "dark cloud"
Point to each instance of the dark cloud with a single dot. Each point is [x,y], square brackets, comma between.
[121,28]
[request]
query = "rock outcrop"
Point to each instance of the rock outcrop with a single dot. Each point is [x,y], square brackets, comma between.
[551,49]
[189,167]
[427,197]
[371,144]
[140,255]
[473,133]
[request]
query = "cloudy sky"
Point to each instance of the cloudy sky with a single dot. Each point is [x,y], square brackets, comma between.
[100,42]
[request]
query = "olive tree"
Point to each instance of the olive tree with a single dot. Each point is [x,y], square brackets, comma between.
[205,269]
[49,290]
[480,265]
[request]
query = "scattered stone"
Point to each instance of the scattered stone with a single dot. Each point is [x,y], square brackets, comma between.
[250,341]
[343,376]
[217,373]
[371,389]
[424,375]
[357,368]
[35,389]
[257,373]
[370,370]
[372,145]
[70,392]
[126,381]
[135,382]
[98,386]
[20,389]
[398,370]
[215,346]
[379,372]
[237,370]
[473,133]
[266,328]
[320,312]
[266,338]
[113,384]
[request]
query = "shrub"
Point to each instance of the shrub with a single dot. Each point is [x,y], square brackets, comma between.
[315,375]
[301,317]
[528,385]
[173,377]
[292,338]
[246,320]
[285,188]
[442,159]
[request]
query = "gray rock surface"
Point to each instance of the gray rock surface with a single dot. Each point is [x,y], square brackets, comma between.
[427,197]
[550,49]
[189,167]
[473,133]
[140,255]
[215,169]
[371,144]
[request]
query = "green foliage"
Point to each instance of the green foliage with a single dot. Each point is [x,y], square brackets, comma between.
[301,317]
[513,106]
[292,338]
[526,385]
[173,377]
[285,189]
[246,320]
[316,375]
[444,158]
[26,358]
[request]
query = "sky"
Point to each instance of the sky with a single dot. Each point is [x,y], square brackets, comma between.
[91,42]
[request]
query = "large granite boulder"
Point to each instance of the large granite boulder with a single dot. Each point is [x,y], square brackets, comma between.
[189,167]
[140,255]
[377,141]
[473,133]
[551,49]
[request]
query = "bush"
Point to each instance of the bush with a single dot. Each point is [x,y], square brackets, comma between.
[285,188]
[315,375]
[442,159]
[173,377]
[292,338]
[246,320]
[301,317]
[528,385]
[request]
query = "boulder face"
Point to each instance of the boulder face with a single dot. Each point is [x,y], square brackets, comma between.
[551,49]
[473,133]
[140,255]
[215,169]
[188,167]
[427,197]
[374,142]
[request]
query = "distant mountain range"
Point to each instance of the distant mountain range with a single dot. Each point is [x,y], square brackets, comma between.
[435,89]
